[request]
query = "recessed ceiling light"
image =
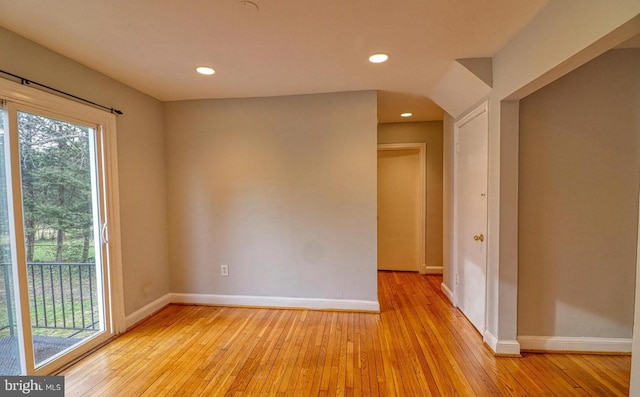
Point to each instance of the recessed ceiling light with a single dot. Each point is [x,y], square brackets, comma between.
[205,70]
[407,114]
[378,58]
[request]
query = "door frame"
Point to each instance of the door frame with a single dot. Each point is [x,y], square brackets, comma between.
[422,153]
[478,111]
[18,95]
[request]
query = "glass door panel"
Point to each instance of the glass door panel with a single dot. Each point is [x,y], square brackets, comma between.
[9,331]
[61,224]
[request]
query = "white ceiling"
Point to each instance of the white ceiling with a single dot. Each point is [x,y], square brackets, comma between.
[283,47]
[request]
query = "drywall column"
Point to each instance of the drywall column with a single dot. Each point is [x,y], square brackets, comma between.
[448,154]
[508,248]
[502,241]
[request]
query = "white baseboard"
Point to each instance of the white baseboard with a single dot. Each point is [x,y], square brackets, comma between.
[251,301]
[447,292]
[575,344]
[434,269]
[501,347]
[276,301]
[147,310]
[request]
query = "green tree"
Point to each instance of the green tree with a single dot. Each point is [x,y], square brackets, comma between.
[56,184]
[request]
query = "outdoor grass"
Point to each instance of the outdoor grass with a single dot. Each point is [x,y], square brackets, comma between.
[50,289]
[45,251]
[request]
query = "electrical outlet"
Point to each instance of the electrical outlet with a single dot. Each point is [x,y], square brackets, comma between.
[224,270]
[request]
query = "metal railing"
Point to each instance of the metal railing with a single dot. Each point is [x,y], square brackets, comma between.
[61,296]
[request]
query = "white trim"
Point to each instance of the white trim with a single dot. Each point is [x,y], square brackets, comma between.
[26,95]
[277,301]
[501,347]
[422,153]
[447,292]
[490,340]
[434,269]
[16,225]
[114,245]
[251,301]
[575,344]
[147,310]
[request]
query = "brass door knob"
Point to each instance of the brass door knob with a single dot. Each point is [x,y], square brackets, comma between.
[479,237]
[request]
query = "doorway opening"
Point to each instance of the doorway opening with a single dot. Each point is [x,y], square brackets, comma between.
[401,207]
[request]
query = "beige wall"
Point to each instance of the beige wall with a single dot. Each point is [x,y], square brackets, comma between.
[140,160]
[282,190]
[578,192]
[429,132]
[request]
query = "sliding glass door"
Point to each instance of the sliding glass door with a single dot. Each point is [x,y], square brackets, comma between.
[56,293]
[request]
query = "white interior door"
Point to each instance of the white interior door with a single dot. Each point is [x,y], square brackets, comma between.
[471,216]
[400,208]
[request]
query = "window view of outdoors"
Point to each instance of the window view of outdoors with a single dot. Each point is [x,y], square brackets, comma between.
[56,175]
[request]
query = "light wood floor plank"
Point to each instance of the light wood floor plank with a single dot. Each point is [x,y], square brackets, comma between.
[419,345]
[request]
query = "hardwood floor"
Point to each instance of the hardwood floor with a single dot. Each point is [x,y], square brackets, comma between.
[418,346]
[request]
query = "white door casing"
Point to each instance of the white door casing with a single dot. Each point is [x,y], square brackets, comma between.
[401,207]
[470,216]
